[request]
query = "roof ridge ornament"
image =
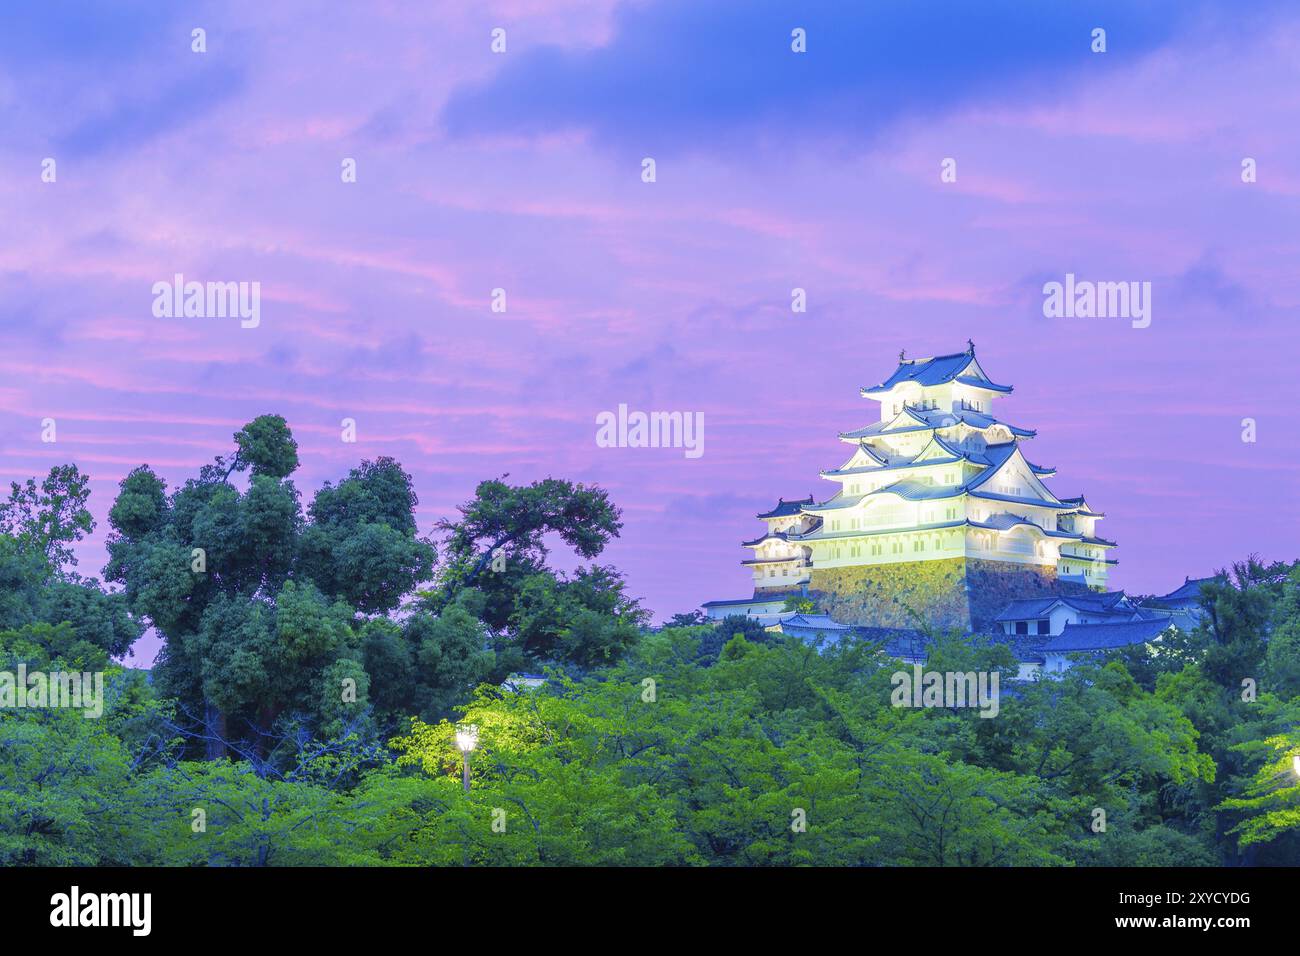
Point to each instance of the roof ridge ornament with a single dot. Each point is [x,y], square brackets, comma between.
[970,347]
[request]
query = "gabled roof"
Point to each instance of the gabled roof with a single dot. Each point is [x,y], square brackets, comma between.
[1027,609]
[867,449]
[1190,590]
[1101,637]
[787,509]
[938,370]
[994,458]
[940,447]
[999,456]
[940,451]
[870,454]
[908,420]
[1111,602]
[1082,508]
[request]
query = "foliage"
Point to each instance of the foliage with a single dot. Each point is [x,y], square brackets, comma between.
[303,710]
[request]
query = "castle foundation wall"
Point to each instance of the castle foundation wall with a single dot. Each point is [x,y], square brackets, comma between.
[965,593]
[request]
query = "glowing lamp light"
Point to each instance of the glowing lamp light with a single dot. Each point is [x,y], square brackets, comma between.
[1295,764]
[466,737]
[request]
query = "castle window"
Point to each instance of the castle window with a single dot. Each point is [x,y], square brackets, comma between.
[1022,627]
[1044,627]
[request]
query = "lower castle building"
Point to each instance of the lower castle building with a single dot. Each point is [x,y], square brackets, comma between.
[938,514]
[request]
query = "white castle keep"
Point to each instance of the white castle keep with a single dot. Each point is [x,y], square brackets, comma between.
[938,478]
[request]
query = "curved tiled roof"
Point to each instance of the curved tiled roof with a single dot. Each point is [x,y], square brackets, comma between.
[1017,500]
[821,534]
[1111,602]
[835,503]
[814,622]
[911,489]
[935,418]
[787,509]
[1082,508]
[770,536]
[1102,637]
[955,453]
[937,370]
[1190,590]
[1006,521]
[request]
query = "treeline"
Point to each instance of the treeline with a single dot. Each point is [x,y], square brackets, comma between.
[315,661]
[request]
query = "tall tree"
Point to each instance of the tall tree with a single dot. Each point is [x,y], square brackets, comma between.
[52,517]
[259,606]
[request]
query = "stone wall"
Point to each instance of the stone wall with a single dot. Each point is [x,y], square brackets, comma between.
[879,595]
[966,593]
[780,591]
[995,584]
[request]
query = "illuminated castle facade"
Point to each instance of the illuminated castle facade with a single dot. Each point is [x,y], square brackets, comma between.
[938,511]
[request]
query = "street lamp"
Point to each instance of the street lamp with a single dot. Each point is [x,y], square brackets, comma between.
[466,740]
[1295,764]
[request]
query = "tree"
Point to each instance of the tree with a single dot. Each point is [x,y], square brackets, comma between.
[495,566]
[51,518]
[586,621]
[693,619]
[512,521]
[1282,659]
[259,606]
[1272,798]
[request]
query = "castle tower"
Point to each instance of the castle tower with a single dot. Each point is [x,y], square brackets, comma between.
[939,511]
[780,564]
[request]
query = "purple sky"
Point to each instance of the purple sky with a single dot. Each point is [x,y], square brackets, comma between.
[775,170]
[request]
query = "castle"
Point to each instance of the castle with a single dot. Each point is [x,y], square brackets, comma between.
[938,513]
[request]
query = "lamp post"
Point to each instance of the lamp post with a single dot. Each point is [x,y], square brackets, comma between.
[466,740]
[1295,764]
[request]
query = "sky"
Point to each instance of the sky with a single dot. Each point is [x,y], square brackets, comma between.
[774,170]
